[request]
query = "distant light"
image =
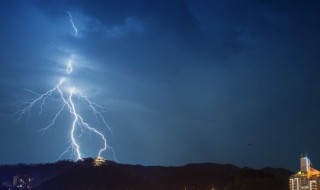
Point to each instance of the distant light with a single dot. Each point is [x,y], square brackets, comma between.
[99,161]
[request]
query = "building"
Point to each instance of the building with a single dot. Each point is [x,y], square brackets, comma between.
[22,182]
[307,178]
[99,162]
[19,182]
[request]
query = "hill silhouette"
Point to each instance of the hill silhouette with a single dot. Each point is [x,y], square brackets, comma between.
[82,175]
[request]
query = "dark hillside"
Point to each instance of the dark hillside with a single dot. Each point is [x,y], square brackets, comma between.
[67,175]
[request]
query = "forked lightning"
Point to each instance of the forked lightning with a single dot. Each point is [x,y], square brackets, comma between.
[66,95]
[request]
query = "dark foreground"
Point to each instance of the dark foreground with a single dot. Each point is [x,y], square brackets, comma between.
[68,175]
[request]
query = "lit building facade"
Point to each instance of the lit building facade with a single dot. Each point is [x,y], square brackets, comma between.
[22,182]
[307,178]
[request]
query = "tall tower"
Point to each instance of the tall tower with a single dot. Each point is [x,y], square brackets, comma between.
[304,164]
[307,178]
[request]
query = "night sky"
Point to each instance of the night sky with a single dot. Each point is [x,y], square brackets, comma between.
[184,81]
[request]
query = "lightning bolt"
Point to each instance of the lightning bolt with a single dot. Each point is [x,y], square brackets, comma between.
[66,98]
[72,23]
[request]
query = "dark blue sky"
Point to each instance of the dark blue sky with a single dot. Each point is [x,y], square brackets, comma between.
[222,81]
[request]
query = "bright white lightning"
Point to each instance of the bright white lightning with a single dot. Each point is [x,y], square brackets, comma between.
[67,99]
[72,23]
[78,120]
[41,97]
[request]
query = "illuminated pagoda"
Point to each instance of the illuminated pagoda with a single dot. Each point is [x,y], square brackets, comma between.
[307,178]
[99,162]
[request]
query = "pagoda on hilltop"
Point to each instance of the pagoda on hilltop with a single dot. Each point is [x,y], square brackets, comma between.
[307,178]
[99,162]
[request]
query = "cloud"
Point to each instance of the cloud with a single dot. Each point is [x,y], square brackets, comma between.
[186,70]
[131,25]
